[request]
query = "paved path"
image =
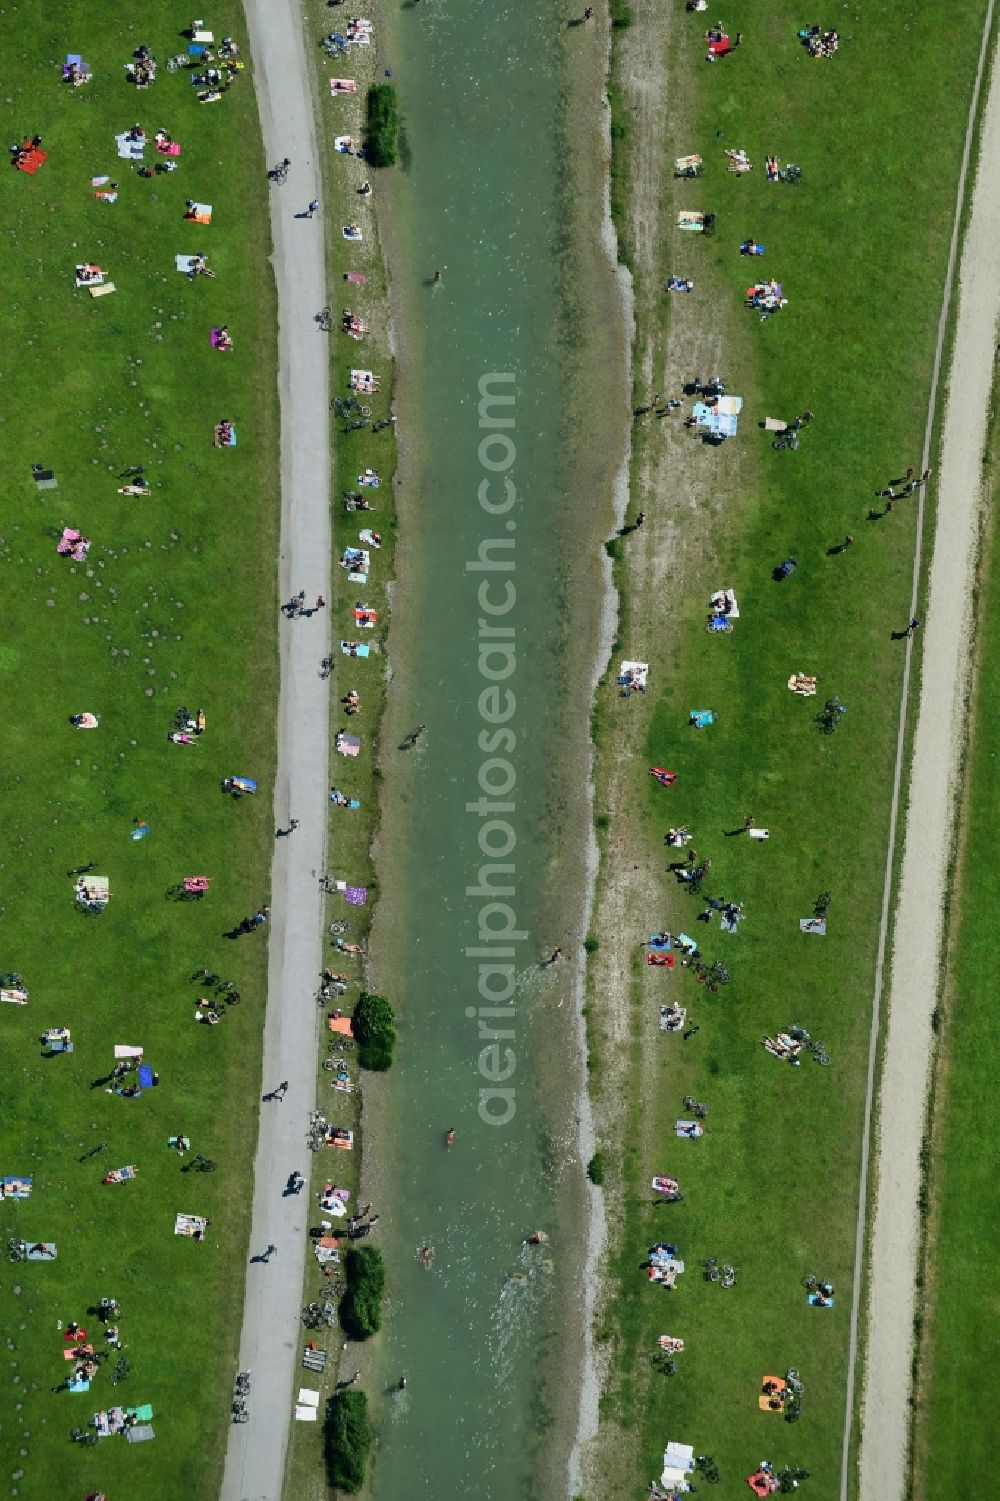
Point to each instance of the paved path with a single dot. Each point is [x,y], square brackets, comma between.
[255,1459]
[937,751]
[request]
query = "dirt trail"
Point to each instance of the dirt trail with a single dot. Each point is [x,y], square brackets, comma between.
[937,750]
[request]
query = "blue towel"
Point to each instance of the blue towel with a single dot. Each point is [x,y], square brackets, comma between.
[145,1076]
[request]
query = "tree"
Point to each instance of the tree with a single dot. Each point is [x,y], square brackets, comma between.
[361,1305]
[348,1438]
[382,126]
[374,1026]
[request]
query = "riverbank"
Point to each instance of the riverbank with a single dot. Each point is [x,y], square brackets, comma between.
[355,446]
[778,1139]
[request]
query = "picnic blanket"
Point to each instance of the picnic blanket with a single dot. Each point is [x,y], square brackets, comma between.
[348,745]
[185,263]
[15,1188]
[815,925]
[41,1250]
[672,1018]
[660,960]
[343,86]
[130,151]
[689,1128]
[634,674]
[30,158]
[354,649]
[199,213]
[126,1050]
[14,997]
[140,1434]
[190,1224]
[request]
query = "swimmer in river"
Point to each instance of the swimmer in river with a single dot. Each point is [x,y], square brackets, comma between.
[437,277]
[413,737]
[536,1238]
[449,1139]
[426,1255]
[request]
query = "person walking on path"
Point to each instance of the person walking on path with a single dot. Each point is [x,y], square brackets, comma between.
[293,824]
[282,1088]
[312,209]
[914,625]
[320,603]
[268,1253]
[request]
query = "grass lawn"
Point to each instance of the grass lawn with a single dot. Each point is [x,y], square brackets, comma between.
[860,246]
[352,830]
[953,1453]
[176,604]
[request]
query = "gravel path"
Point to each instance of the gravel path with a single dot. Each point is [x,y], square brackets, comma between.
[937,751]
[269,1346]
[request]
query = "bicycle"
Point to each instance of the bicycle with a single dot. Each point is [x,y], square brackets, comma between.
[710,1269]
[279,174]
[786,440]
[324,319]
[697,1109]
[244,1381]
[81,1436]
[340,927]
[121,1371]
[727,1277]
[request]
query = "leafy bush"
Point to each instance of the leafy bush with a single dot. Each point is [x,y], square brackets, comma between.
[621,15]
[383,125]
[374,1026]
[595,1169]
[361,1304]
[348,1438]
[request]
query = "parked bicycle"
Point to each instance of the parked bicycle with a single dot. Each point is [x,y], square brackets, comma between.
[697,1109]
[279,174]
[324,320]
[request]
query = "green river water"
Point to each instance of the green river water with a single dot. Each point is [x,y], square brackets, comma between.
[490,1336]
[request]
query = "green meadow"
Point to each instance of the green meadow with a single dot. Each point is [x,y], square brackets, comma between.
[174,606]
[860,247]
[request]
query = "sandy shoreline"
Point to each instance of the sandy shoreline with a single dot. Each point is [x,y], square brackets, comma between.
[591,1375]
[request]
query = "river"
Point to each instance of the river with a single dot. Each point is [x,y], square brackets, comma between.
[512,415]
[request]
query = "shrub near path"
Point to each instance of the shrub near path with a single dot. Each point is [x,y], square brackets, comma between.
[174,605]
[772,1185]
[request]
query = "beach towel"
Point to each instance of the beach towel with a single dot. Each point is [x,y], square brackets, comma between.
[660,941]
[41,1250]
[672,1018]
[341,1025]
[701,718]
[78,1384]
[815,925]
[199,213]
[145,1076]
[665,961]
[354,649]
[729,924]
[759,833]
[356,895]
[348,745]
[185,263]
[14,997]
[343,86]
[15,1188]
[125,1050]
[169,148]
[689,1128]
[104,290]
[140,1434]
